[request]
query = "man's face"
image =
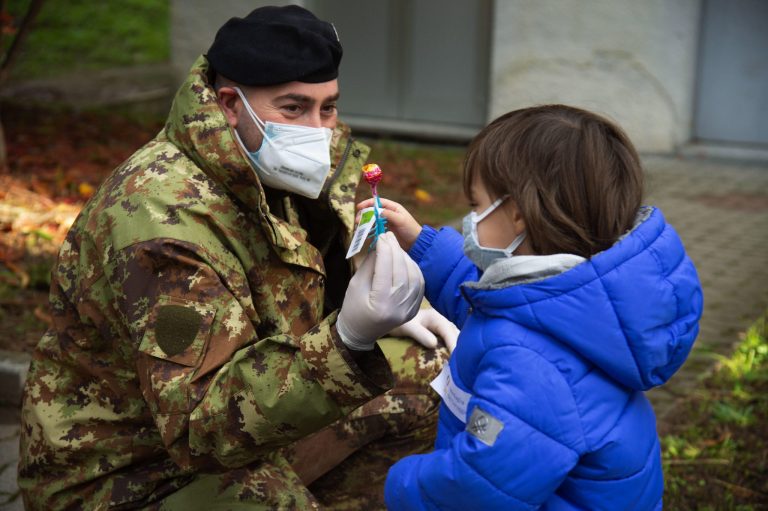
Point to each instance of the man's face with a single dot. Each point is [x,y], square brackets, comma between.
[304,104]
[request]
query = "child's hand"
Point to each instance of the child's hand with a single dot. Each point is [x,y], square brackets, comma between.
[399,221]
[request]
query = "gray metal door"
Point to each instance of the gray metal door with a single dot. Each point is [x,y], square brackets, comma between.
[412,62]
[732,102]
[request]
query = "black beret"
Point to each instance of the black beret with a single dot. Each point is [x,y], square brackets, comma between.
[274,45]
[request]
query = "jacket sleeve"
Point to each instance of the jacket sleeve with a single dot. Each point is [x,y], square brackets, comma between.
[522,437]
[220,395]
[440,255]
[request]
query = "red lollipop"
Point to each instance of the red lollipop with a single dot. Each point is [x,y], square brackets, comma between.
[372,174]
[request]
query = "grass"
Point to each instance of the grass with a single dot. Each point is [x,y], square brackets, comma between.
[425,178]
[715,453]
[82,35]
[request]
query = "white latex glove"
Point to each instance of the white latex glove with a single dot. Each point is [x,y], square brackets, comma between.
[384,293]
[424,327]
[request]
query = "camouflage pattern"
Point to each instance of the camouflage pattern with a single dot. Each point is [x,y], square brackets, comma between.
[397,424]
[191,346]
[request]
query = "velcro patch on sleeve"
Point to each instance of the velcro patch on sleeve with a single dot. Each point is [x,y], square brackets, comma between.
[484,426]
[176,328]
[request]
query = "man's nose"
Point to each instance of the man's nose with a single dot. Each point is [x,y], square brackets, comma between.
[314,119]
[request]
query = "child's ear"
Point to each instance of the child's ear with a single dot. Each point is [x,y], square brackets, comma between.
[518,222]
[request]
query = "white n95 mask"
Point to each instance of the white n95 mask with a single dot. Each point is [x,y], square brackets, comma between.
[291,157]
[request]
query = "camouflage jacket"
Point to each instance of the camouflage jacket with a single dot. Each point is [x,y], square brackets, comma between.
[189,325]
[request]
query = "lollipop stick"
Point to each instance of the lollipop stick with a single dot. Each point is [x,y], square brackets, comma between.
[373,174]
[380,220]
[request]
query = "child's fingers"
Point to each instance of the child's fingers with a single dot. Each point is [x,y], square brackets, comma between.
[387,208]
[390,205]
[385,204]
[399,220]
[367,203]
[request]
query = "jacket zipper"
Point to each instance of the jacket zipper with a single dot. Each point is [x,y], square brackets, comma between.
[339,167]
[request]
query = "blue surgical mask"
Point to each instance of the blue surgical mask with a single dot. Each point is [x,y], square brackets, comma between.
[483,257]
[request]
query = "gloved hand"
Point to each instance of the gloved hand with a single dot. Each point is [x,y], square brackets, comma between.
[385,292]
[425,325]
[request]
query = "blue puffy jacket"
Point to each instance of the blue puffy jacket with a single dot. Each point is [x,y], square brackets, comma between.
[543,405]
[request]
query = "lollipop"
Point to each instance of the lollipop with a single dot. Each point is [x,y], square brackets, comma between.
[372,174]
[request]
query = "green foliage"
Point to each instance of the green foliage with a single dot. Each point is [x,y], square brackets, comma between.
[729,413]
[715,455]
[751,356]
[75,35]
[411,170]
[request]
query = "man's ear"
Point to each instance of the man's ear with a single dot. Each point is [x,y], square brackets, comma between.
[228,100]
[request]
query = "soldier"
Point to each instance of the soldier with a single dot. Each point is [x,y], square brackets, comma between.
[210,346]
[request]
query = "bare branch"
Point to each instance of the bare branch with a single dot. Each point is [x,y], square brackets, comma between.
[18,40]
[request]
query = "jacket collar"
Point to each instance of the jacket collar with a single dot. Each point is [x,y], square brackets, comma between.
[632,310]
[525,268]
[197,126]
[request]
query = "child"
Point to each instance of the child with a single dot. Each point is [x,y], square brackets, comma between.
[572,300]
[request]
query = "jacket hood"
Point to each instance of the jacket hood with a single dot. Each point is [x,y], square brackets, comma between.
[198,127]
[632,310]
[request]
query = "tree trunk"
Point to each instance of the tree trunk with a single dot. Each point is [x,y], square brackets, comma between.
[21,35]
[10,58]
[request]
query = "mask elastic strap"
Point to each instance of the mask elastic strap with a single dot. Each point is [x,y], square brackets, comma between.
[515,243]
[490,209]
[258,122]
[240,141]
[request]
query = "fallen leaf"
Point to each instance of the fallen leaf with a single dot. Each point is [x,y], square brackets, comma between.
[85,190]
[422,196]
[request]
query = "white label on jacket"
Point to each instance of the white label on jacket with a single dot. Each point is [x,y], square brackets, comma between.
[454,398]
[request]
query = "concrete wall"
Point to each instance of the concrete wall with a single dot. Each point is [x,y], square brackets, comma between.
[633,61]
[194,24]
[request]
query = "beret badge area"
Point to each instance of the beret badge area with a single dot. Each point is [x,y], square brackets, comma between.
[274,45]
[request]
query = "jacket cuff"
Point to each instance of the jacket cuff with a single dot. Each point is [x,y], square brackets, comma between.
[401,488]
[349,381]
[422,244]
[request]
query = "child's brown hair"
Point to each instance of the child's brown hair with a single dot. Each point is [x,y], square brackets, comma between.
[574,175]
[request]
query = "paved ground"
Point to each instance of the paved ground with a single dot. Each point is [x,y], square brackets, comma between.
[720,209]
[9,446]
